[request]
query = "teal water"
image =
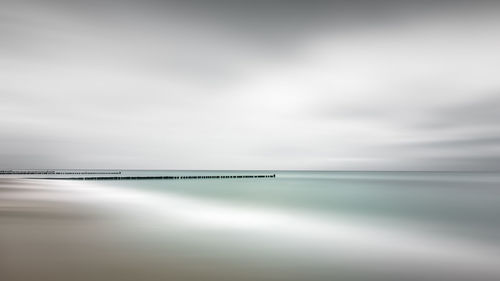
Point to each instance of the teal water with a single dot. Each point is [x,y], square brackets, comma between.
[333,225]
[467,204]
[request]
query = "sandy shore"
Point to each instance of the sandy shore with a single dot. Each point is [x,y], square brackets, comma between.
[48,232]
[65,230]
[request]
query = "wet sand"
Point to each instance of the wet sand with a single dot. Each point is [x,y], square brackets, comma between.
[63,230]
[51,233]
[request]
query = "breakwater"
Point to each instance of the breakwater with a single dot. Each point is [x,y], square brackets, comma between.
[54,172]
[164,177]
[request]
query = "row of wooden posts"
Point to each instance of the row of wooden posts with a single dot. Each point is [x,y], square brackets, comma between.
[167,177]
[53,172]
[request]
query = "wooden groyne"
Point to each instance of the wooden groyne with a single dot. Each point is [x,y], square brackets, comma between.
[164,177]
[54,172]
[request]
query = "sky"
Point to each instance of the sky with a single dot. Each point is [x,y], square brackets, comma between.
[313,85]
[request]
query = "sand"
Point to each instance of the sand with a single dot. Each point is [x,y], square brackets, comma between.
[50,232]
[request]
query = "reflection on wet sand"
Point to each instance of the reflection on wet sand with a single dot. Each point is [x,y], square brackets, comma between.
[48,234]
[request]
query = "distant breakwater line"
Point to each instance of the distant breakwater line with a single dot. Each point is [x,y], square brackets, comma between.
[164,177]
[54,172]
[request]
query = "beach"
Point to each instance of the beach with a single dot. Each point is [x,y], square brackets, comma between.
[52,233]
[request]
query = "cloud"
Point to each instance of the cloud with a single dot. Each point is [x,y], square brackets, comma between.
[249,84]
[479,112]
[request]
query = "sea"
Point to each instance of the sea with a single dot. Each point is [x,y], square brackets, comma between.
[298,225]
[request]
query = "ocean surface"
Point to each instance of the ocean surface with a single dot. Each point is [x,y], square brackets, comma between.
[301,225]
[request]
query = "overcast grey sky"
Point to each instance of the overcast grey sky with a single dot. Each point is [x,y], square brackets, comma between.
[349,85]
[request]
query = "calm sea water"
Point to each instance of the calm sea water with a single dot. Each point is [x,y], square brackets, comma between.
[466,204]
[324,225]
[305,225]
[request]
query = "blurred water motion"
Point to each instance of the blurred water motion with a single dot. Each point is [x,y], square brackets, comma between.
[299,226]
